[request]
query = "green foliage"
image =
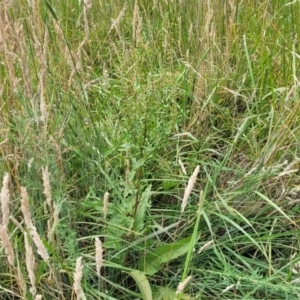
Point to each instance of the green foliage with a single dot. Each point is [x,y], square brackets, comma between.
[154,260]
[128,98]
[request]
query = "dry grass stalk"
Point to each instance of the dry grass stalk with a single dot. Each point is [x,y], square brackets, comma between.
[87,5]
[77,278]
[23,62]
[137,24]
[30,264]
[105,204]
[40,36]
[116,22]
[70,58]
[99,255]
[189,188]
[43,67]
[38,297]
[9,46]
[182,285]
[32,229]
[7,245]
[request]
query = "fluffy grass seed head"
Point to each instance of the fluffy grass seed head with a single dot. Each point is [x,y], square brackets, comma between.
[189,188]
[25,207]
[77,278]
[5,200]
[105,204]
[182,285]
[32,229]
[205,246]
[99,255]
[7,245]
[46,184]
[30,264]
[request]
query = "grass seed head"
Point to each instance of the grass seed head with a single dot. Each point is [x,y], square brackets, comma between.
[77,278]
[105,204]
[189,188]
[99,255]
[182,285]
[30,264]
[7,245]
[47,187]
[5,200]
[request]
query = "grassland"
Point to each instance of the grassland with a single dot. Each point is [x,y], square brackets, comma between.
[149,149]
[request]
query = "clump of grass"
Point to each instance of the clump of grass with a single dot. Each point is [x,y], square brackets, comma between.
[112,101]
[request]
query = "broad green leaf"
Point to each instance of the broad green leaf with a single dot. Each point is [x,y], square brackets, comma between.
[143,283]
[143,205]
[152,262]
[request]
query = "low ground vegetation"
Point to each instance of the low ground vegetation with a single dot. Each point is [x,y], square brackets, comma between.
[149,149]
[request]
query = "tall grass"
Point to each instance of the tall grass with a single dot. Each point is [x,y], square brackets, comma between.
[149,149]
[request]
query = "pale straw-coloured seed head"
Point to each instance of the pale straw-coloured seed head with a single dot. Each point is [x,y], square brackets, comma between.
[29,224]
[87,3]
[7,245]
[105,204]
[77,278]
[182,285]
[47,187]
[41,250]
[5,200]
[30,264]
[25,207]
[99,255]
[205,246]
[189,188]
